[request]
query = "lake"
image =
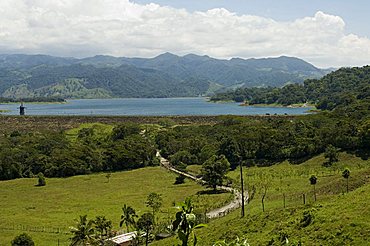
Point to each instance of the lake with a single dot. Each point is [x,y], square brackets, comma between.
[147,107]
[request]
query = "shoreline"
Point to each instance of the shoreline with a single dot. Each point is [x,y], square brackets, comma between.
[8,103]
[274,105]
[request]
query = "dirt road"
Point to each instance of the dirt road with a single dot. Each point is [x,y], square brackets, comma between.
[218,212]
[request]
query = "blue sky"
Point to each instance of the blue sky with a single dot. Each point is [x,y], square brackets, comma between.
[356,13]
[326,33]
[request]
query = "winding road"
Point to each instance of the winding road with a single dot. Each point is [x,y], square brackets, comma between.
[218,212]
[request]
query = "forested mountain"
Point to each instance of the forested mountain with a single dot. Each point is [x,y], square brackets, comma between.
[346,86]
[167,75]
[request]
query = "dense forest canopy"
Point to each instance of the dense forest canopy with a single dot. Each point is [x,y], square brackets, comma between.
[24,154]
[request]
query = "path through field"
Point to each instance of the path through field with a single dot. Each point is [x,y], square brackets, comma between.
[216,213]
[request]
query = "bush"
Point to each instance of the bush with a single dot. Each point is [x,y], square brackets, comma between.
[180,179]
[23,240]
[41,179]
[307,219]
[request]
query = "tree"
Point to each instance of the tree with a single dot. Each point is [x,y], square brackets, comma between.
[180,179]
[265,182]
[214,170]
[230,149]
[345,174]
[103,229]
[124,130]
[83,233]
[41,179]
[331,153]
[185,223]
[313,181]
[23,240]
[128,216]
[145,223]
[154,201]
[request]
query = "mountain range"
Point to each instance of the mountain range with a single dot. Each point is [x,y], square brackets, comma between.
[167,75]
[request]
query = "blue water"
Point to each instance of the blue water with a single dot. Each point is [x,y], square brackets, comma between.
[147,106]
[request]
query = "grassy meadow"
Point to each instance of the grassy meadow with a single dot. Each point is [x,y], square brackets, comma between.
[338,218]
[61,201]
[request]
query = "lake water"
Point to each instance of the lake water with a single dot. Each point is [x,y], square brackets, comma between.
[147,106]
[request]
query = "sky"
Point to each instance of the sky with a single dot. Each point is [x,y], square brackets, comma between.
[330,33]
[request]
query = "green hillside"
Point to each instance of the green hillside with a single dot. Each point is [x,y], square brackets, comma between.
[344,87]
[167,75]
[336,218]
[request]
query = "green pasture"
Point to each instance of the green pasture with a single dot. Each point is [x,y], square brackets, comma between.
[339,218]
[26,207]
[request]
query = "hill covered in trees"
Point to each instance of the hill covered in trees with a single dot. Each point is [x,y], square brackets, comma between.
[167,75]
[346,87]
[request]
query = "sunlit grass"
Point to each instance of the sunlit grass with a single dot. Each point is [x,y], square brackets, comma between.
[61,201]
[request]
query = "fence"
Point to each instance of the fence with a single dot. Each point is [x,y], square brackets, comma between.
[41,229]
[62,232]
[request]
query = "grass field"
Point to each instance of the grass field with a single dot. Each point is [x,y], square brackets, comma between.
[339,218]
[61,201]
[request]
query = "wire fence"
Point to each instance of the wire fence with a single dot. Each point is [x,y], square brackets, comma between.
[60,235]
[29,228]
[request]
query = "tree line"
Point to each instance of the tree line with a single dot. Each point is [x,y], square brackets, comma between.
[264,141]
[343,87]
[25,154]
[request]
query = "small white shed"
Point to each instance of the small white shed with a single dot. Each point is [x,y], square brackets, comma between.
[123,239]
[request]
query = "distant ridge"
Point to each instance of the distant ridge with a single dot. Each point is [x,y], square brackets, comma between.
[166,75]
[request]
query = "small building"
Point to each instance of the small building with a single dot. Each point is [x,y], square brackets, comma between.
[123,239]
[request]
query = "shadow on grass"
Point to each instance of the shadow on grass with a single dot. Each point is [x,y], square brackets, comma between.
[211,192]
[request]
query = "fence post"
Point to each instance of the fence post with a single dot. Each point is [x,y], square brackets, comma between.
[304,199]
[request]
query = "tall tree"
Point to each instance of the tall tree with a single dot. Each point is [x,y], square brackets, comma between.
[230,149]
[345,174]
[214,170]
[331,153]
[154,201]
[145,223]
[128,216]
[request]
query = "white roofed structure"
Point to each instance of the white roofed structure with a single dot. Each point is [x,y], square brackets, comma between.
[123,239]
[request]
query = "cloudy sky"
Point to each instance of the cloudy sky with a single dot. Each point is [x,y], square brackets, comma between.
[328,33]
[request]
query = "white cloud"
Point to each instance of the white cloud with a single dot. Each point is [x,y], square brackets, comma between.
[123,28]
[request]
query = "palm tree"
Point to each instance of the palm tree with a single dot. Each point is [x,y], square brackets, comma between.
[346,173]
[128,216]
[313,181]
[103,228]
[83,233]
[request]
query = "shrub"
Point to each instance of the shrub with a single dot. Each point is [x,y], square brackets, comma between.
[23,240]
[41,179]
[180,179]
[307,218]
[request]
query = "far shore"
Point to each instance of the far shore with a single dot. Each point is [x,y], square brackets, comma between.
[6,103]
[275,105]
